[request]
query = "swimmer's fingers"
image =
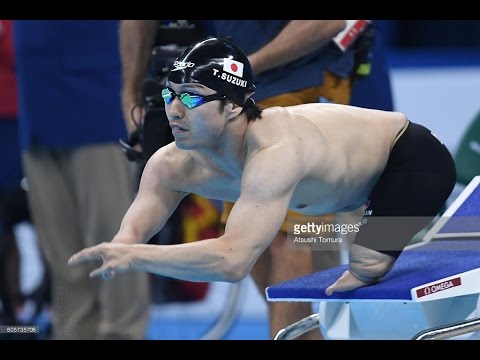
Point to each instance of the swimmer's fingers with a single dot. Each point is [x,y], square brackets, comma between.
[346,282]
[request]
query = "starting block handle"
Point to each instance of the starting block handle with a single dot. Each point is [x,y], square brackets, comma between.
[298,328]
[449,330]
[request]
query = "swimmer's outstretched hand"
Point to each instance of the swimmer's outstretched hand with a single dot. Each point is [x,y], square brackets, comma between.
[367,267]
[116,258]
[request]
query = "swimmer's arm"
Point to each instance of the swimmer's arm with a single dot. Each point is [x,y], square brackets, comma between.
[252,225]
[268,183]
[297,39]
[153,205]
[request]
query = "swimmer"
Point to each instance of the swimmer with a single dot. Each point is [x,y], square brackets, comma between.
[314,159]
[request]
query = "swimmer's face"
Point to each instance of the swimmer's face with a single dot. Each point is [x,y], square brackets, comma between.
[195,114]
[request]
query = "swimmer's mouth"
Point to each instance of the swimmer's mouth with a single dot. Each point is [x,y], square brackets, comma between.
[177,128]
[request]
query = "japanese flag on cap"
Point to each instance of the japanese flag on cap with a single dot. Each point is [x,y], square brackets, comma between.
[233,67]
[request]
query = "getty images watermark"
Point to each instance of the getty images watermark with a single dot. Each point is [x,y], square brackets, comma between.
[383,233]
[318,234]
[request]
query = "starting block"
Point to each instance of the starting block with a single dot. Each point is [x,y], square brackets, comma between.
[431,292]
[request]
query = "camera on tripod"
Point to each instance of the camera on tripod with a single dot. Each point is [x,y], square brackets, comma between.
[153,130]
[171,41]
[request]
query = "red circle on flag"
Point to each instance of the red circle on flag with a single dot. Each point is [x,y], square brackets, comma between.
[234,67]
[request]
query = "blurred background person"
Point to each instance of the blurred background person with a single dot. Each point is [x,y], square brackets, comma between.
[24,281]
[373,88]
[13,202]
[80,183]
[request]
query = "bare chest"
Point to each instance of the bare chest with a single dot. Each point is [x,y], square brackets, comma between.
[217,186]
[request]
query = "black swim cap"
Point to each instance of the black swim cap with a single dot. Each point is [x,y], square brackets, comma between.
[218,64]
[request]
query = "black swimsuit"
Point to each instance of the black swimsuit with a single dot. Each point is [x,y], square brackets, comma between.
[418,178]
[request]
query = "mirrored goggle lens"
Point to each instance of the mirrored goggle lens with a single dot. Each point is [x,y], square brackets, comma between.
[190,101]
[167,96]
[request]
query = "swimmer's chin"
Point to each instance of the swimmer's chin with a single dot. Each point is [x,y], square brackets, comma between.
[184,146]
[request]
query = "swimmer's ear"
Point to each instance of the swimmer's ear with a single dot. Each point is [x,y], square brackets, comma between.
[233,109]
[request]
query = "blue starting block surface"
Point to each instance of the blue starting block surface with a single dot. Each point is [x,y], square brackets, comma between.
[434,270]
[427,271]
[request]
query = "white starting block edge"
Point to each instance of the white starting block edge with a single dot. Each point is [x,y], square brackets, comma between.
[433,232]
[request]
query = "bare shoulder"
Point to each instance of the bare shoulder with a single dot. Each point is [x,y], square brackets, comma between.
[170,165]
[274,147]
[271,129]
[307,119]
